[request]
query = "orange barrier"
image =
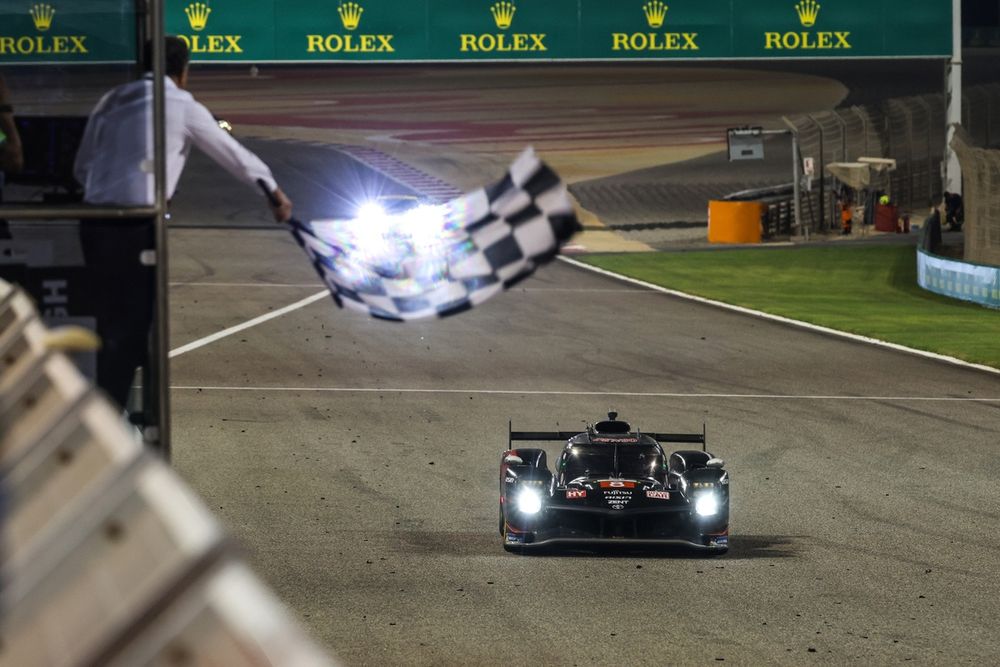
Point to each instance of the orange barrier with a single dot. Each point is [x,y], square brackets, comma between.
[735,221]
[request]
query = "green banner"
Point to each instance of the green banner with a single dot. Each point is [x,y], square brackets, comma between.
[497,30]
[688,29]
[351,30]
[810,28]
[502,30]
[224,30]
[60,31]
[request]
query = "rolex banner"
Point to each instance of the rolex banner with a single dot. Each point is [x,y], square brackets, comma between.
[96,31]
[261,31]
[438,260]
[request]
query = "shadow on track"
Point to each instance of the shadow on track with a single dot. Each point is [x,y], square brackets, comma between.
[741,547]
[748,547]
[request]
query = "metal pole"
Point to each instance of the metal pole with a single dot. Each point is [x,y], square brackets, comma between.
[141,35]
[796,178]
[929,114]
[158,434]
[822,167]
[953,92]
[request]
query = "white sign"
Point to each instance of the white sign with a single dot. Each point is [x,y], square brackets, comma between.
[808,166]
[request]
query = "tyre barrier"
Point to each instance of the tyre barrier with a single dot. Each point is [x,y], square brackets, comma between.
[108,558]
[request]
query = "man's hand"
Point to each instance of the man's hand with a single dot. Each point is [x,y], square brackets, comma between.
[281,206]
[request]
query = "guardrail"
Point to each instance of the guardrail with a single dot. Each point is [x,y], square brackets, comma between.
[968,281]
[107,557]
[779,217]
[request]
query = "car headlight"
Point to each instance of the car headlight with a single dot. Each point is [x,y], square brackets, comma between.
[706,504]
[370,210]
[529,502]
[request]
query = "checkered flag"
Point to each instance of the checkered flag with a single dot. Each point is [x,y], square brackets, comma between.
[441,260]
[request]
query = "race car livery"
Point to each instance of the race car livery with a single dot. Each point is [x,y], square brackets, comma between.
[613,484]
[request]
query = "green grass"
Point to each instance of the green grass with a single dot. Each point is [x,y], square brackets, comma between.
[867,290]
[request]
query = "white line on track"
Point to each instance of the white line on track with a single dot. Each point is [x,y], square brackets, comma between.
[246,284]
[201,342]
[783,320]
[633,394]
[583,290]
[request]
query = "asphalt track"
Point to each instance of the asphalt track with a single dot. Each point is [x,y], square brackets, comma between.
[357,461]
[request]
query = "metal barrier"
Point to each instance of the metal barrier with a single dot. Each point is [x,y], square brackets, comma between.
[949,277]
[108,558]
[911,130]
[981,200]
[779,217]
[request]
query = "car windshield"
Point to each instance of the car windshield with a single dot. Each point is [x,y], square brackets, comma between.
[639,461]
[589,461]
[634,461]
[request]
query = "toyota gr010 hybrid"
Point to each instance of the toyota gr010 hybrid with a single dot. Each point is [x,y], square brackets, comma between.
[613,484]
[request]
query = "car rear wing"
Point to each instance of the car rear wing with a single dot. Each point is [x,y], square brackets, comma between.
[553,436]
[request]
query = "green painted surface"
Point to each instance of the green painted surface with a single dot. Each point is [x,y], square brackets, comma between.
[505,30]
[866,290]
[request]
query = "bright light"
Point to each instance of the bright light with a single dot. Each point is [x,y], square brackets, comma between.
[706,504]
[425,226]
[529,502]
[399,255]
[370,211]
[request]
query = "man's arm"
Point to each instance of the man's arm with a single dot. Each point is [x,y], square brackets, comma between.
[231,155]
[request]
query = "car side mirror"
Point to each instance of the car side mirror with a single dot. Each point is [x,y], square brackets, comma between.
[513,460]
[715,463]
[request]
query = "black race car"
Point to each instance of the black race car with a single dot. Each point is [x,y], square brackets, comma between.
[613,484]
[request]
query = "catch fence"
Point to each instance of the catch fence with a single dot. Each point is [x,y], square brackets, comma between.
[910,130]
[981,184]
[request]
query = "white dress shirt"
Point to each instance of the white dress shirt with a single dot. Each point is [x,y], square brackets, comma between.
[115,160]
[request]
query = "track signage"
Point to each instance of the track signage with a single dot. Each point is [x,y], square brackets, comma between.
[259,31]
[62,31]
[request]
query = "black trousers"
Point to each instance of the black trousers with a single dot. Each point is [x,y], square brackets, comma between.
[125,290]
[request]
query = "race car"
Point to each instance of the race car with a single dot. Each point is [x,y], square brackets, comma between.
[613,484]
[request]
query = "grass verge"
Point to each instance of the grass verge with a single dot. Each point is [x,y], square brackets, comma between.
[866,290]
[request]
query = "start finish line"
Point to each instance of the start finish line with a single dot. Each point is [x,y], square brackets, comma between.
[262,31]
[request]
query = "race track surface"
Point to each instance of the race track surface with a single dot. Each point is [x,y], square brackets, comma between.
[357,461]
